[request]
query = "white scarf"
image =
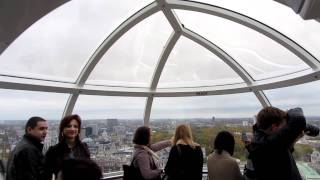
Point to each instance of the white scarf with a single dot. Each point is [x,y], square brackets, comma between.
[154,156]
[149,150]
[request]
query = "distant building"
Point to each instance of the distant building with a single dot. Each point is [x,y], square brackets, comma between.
[119,130]
[105,136]
[315,157]
[245,123]
[254,119]
[213,121]
[89,131]
[82,133]
[315,160]
[93,128]
[112,123]
[102,130]
[4,147]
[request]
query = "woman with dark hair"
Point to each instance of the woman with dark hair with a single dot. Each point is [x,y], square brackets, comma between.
[69,146]
[221,165]
[144,156]
[185,160]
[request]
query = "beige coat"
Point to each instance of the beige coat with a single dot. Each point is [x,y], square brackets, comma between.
[146,162]
[223,167]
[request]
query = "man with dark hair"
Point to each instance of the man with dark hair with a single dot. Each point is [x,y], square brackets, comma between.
[26,161]
[271,149]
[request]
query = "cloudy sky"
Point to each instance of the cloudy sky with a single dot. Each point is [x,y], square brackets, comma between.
[58,46]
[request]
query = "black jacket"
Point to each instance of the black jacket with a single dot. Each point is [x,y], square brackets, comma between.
[184,163]
[59,152]
[26,161]
[271,154]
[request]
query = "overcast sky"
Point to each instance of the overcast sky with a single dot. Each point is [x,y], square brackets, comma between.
[58,46]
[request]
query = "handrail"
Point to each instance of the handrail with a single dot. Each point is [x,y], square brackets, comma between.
[112,175]
[109,176]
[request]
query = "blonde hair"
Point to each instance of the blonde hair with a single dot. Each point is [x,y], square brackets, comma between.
[183,132]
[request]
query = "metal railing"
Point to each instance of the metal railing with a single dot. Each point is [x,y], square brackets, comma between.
[118,175]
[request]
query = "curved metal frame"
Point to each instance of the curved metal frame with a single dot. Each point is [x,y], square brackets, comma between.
[292,46]
[106,44]
[166,7]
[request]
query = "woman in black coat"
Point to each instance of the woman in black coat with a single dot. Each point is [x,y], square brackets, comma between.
[69,146]
[185,160]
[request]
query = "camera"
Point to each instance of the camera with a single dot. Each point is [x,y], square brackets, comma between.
[311,130]
[297,113]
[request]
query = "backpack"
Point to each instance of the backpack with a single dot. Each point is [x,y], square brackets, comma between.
[130,172]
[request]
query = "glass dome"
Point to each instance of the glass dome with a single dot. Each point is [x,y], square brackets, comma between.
[150,49]
[164,59]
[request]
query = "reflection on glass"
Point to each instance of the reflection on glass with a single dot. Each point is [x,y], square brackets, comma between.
[21,105]
[282,18]
[259,55]
[109,107]
[190,65]
[59,45]
[132,60]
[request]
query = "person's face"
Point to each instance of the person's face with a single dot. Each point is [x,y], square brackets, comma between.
[40,131]
[71,131]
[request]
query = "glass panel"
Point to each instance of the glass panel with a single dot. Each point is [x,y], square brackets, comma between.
[58,45]
[282,18]
[109,132]
[190,65]
[203,113]
[18,106]
[260,56]
[109,107]
[21,105]
[244,105]
[132,60]
[305,96]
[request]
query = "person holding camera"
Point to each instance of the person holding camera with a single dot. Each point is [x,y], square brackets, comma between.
[275,134]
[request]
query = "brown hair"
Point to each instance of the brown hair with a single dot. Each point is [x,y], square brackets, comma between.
[142,136]
[64,123]
[270,115]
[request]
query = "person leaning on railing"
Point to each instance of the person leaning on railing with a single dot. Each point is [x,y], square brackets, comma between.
[221,164]
[144,158]
[185,159]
